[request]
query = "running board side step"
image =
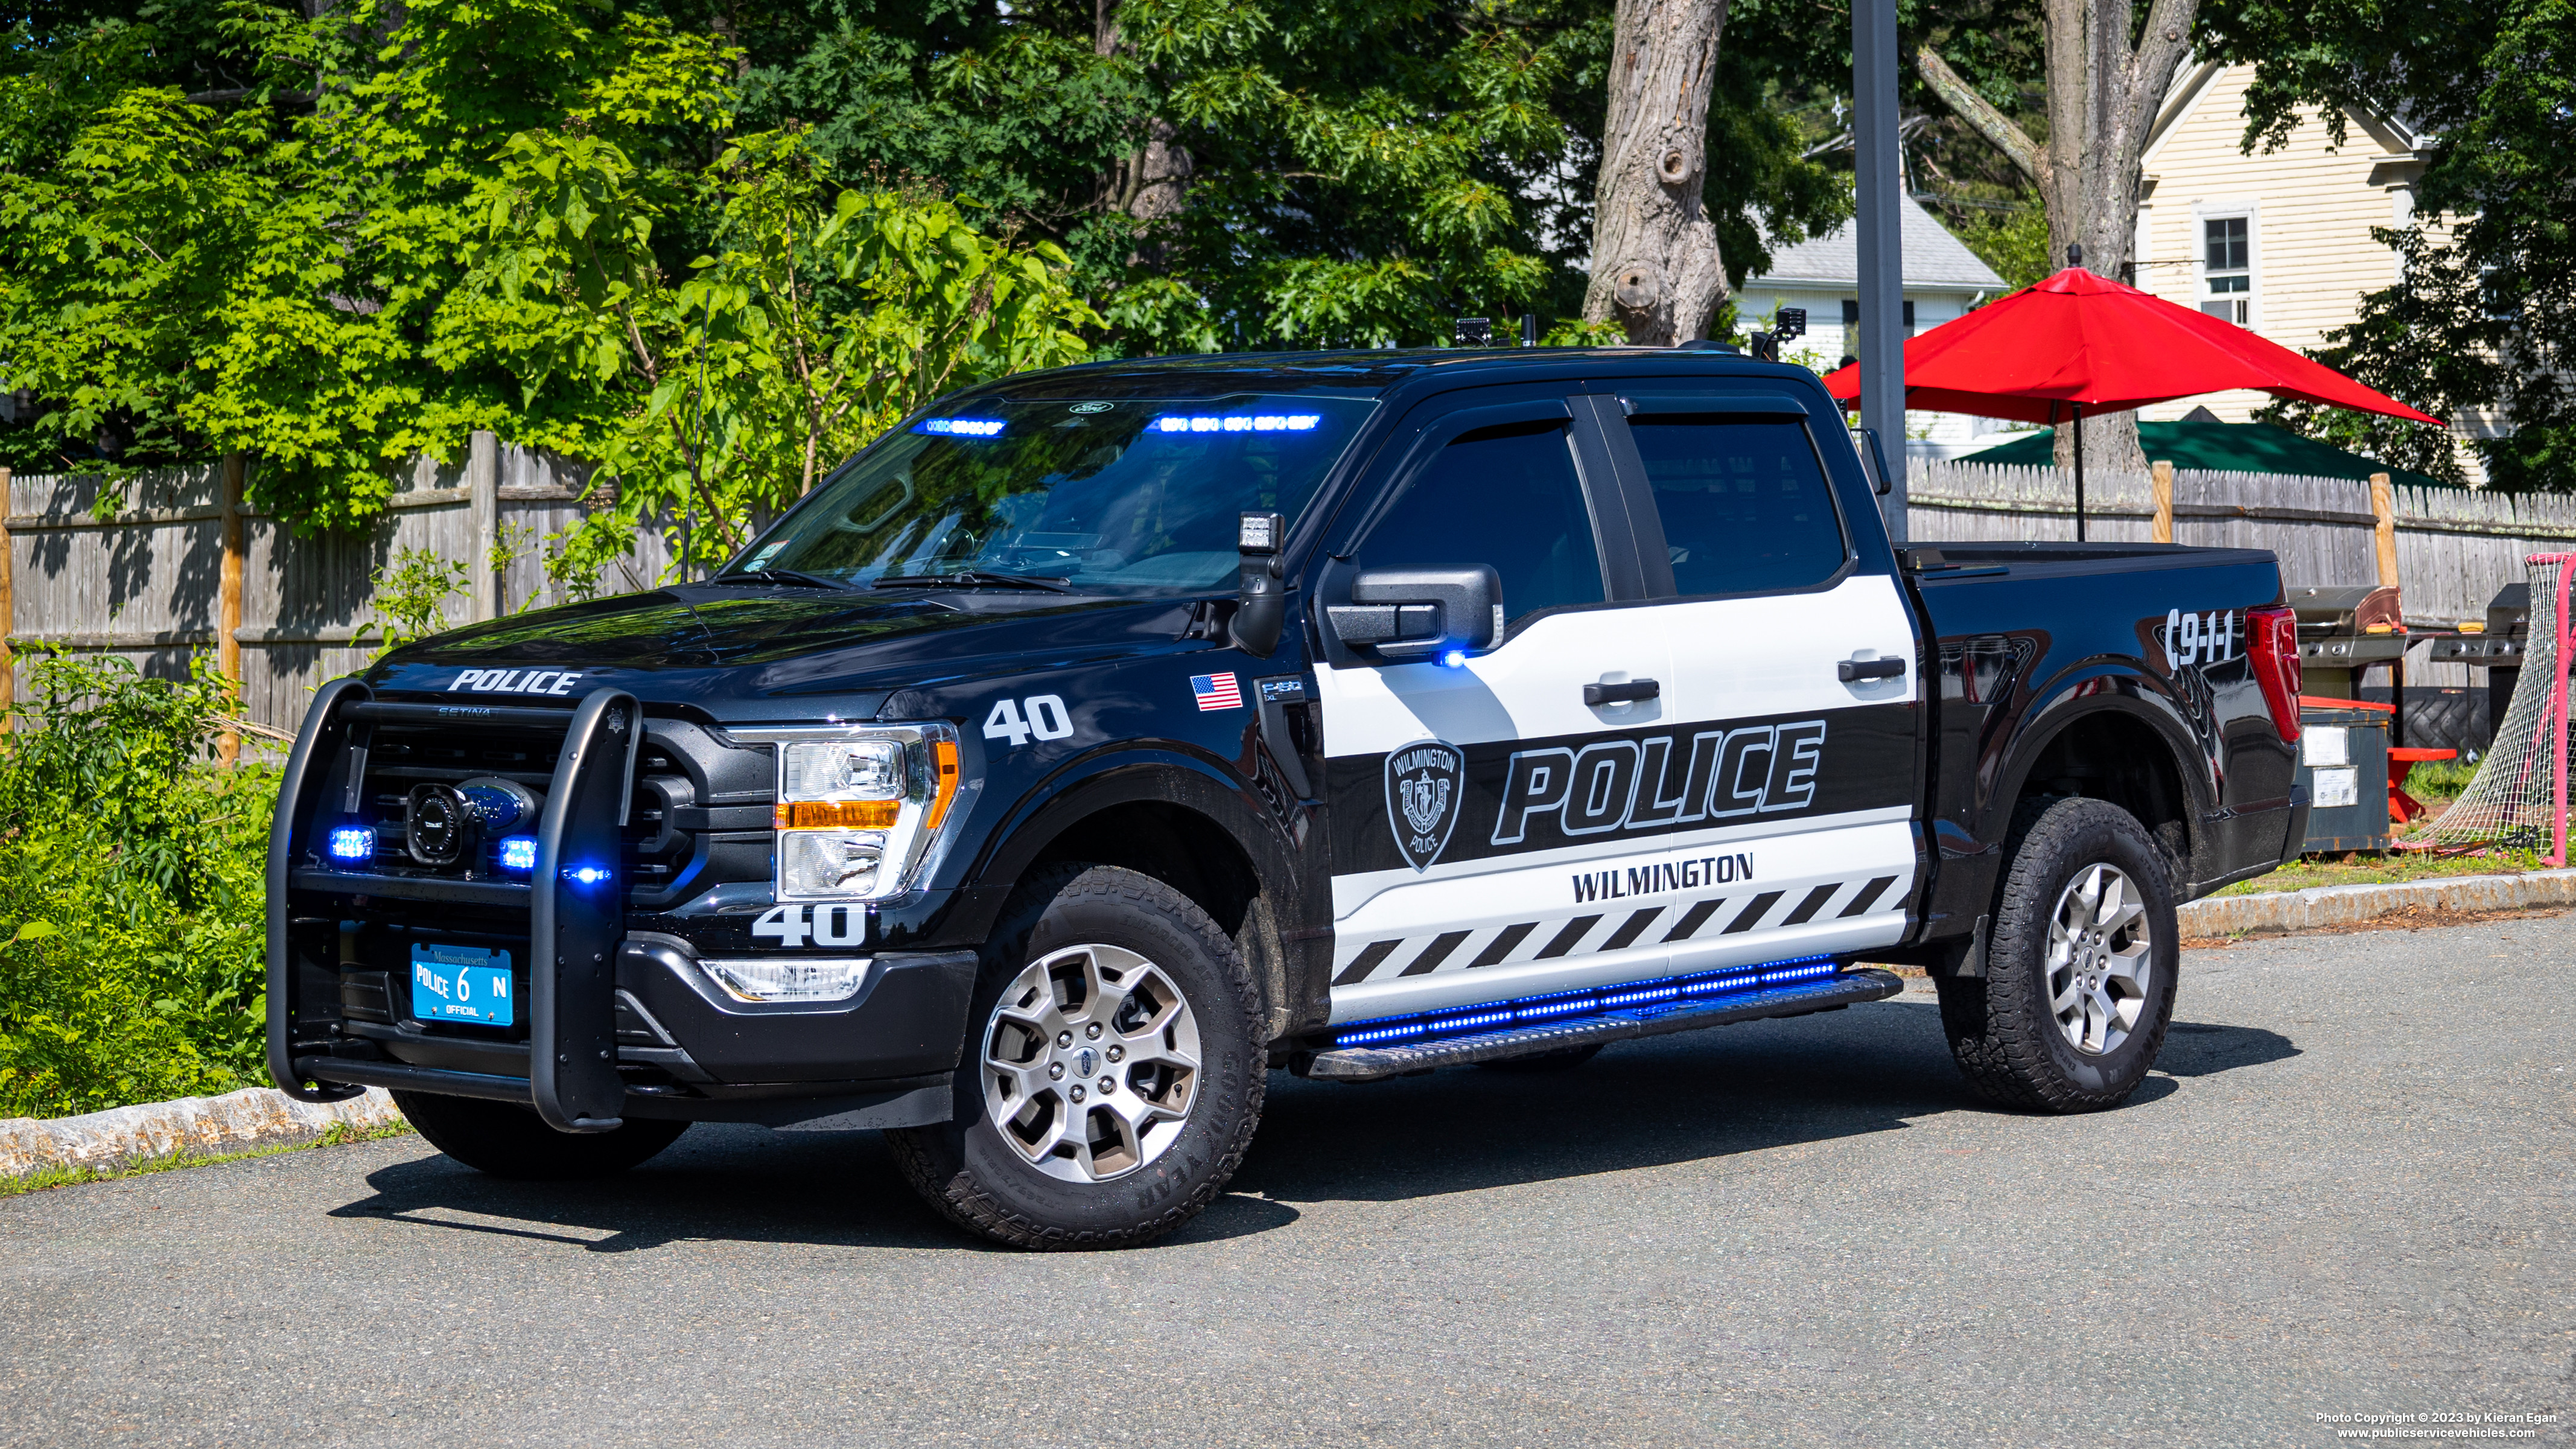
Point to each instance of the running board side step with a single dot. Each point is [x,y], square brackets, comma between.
[1376,1063]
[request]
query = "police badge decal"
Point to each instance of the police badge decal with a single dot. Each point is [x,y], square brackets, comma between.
[1425,786]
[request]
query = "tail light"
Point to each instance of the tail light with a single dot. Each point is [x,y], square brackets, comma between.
[2272,643]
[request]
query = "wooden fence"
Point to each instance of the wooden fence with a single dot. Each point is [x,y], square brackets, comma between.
[184,565]
[2454,547]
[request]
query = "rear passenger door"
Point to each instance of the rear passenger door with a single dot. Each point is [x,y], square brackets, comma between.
[1477,807]
[1793,696]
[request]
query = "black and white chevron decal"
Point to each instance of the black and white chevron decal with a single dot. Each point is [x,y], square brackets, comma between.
[1598,931]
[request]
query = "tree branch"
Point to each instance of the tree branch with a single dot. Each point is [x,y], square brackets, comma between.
[2161,49]
[1980,113]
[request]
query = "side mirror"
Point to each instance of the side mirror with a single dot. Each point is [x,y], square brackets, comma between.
[1418,613]
[1866,441]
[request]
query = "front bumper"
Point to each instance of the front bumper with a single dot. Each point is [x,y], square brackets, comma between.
[616,1022]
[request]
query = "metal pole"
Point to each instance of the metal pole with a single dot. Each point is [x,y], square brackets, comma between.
[1880,224]
[2079,472]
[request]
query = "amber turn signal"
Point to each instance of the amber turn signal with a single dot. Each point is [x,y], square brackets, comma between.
[943,755]
[837,814]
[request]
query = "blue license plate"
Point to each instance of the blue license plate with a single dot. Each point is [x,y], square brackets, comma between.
[461,983]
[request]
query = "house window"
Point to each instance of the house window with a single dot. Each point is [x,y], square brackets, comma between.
[2227,264]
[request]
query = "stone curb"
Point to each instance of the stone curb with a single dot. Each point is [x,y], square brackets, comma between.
[2328,906]
[242,1121]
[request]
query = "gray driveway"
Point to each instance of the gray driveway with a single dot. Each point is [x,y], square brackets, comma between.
[2345,1194]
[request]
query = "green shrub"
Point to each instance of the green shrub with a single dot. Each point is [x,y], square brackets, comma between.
[131,893]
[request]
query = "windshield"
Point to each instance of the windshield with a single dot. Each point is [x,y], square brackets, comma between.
[1130,495]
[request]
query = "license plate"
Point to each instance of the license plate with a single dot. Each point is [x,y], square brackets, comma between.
[461,983]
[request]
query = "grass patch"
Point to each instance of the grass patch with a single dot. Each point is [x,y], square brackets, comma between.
[338,1134]
[2387,868]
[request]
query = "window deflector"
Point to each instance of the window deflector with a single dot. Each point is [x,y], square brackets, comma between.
[1713,404]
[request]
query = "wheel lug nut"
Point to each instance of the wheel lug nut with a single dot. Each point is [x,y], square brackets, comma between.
[1092,1031]
[1055,1071]
[1108,1085]
[1117,1053]
[1077,1094]
[1064,1038]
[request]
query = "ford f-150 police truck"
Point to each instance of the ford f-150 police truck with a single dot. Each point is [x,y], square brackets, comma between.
[1100,740]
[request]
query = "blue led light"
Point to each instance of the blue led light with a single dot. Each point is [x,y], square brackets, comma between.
[1560,1005]
[1241,423]
[960,427]
[1455,658]
[519,852]
[353,842]
[584,874]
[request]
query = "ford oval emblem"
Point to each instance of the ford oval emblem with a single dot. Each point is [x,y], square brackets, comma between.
[1091,407]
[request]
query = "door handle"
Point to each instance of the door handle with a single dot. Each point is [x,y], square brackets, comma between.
[1853,670]
[1627,693]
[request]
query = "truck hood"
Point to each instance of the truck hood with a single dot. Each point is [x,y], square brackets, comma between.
[727,650]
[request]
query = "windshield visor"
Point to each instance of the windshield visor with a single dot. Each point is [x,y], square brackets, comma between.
[1131,496]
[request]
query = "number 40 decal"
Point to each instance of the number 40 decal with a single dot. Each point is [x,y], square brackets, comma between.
[831,925]
[1047,719]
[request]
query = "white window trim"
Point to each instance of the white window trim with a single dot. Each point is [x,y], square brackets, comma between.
[2209,211]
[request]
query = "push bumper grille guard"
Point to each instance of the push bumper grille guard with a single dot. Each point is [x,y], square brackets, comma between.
[574,925]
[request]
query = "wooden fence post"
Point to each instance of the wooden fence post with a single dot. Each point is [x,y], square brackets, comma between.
[2161,530]
[2383,507]
[483,503]
[228,601]
[8,609]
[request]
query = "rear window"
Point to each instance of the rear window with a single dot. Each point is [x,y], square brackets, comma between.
[1745,505]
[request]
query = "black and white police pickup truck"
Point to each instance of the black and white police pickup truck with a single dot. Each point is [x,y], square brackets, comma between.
[1100,740]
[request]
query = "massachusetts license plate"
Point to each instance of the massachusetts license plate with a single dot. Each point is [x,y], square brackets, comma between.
[460,983]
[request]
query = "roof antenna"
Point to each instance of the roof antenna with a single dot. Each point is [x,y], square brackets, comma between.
[2075,256]
[1529,329]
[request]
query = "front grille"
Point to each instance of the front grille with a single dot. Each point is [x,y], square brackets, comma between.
[699,815]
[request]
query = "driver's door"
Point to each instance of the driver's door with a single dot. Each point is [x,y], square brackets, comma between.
[1494,834]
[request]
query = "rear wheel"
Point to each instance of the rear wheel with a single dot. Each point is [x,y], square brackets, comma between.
[2081,965]
[1114,1077]
[506,1140]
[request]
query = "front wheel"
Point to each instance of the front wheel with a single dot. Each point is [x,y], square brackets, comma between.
[1114,1076]
[2081,966]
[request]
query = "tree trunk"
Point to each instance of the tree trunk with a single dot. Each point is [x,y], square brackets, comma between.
[1655,267]
[1151,183]
[2103,95]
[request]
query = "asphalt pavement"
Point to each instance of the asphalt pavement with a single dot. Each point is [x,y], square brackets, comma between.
[2344,1192]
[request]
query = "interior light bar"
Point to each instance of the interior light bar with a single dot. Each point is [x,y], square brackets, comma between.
[960,427]
[1241,423]
[1561,1006]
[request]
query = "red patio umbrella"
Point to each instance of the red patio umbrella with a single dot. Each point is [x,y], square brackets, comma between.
[2078,342]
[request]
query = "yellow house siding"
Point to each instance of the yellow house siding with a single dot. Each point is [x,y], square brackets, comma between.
[2310,208]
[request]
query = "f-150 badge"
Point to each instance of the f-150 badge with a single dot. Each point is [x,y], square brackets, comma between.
[1423,790]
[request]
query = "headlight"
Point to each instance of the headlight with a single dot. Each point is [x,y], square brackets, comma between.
[859,806]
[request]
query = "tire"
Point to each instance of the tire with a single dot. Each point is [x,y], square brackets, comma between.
[1563,1060]
[506,1140]
[1054,1161]
[2015,1031]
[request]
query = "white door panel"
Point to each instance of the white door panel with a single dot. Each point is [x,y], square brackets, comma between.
[1530,688]
[1593,915]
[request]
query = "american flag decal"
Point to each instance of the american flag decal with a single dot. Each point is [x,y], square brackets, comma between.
[1216,691]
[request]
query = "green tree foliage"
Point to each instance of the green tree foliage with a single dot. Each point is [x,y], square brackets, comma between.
[131,948]
[644,231]
[458,214]
[2484,314]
